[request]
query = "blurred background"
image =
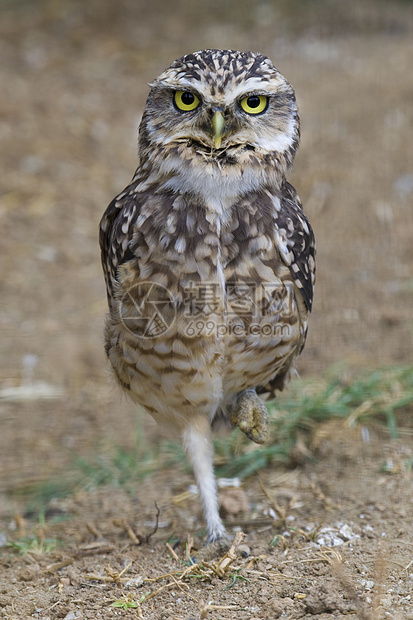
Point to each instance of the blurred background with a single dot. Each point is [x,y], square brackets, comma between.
[74,78]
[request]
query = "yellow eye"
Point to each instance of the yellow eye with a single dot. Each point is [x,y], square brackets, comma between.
[254,104]
[185,101]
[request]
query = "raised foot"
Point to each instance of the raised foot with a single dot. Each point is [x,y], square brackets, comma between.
[251,416]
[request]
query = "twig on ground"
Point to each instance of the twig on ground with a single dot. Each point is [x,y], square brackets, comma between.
[155,529]
[327,503]
[279,510]
[205,608]
[93,548]
[224,564]
[321,556]
[115,576]
[172,552]
[138,539]
[58,565]
[124,525]
[179,585]
[159,590]
[91,527]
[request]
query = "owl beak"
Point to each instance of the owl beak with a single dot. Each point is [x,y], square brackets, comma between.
[218,123]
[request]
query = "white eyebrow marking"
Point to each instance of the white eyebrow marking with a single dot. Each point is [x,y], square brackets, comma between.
[246,87]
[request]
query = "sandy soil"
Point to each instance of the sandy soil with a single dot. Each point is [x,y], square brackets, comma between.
[329,538]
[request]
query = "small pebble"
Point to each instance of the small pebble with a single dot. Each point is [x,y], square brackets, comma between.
[244,551]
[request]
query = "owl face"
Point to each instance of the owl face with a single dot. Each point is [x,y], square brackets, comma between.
[221,110]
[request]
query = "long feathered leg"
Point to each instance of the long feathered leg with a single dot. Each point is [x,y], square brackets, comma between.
[197,441]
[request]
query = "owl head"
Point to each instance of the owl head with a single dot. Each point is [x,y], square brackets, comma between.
[221,110]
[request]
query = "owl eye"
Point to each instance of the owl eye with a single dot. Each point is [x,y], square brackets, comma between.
[185,101]
[254,104]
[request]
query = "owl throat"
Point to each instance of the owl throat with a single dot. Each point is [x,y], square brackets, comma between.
[217,182]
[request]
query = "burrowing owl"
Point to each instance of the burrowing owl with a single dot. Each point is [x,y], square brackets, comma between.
[208,257]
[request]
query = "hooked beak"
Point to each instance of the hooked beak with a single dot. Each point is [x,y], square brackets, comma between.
[218,123]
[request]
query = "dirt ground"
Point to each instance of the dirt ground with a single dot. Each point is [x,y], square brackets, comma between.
[325,539]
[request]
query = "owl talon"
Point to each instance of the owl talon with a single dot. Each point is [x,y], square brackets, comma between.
[251,416]
[214,548]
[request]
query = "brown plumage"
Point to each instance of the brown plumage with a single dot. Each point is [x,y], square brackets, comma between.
[208,256]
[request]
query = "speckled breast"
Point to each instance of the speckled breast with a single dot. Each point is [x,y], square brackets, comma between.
[206,310]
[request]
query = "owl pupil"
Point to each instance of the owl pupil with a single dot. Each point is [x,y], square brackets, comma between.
[253,102]
[187,98]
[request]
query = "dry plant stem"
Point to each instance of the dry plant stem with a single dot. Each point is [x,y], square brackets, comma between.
[93,548]
[408,566]
[164,587]
[21,525]
[179,585]
[115,576]
[155,529]
[267,576]
[190,544]
[138,539]
[54,605]
[172,552]
[223,565]
[139,612]
[328,504]
[94,577]
[280,511]
[58,565]
[204,609]
[206,570]
[322,556]
[91,527]
[122,523]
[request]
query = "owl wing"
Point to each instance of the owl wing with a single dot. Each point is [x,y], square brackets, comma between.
[296,243]
[115,235]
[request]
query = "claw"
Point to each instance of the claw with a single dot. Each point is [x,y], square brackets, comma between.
[214,548]
[251,416]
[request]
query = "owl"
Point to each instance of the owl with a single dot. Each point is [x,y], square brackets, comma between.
[208,256]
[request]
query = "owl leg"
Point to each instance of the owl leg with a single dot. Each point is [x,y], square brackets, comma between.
[197,440]
[251,416]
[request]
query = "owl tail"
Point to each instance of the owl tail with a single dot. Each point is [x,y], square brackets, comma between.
[197,441]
